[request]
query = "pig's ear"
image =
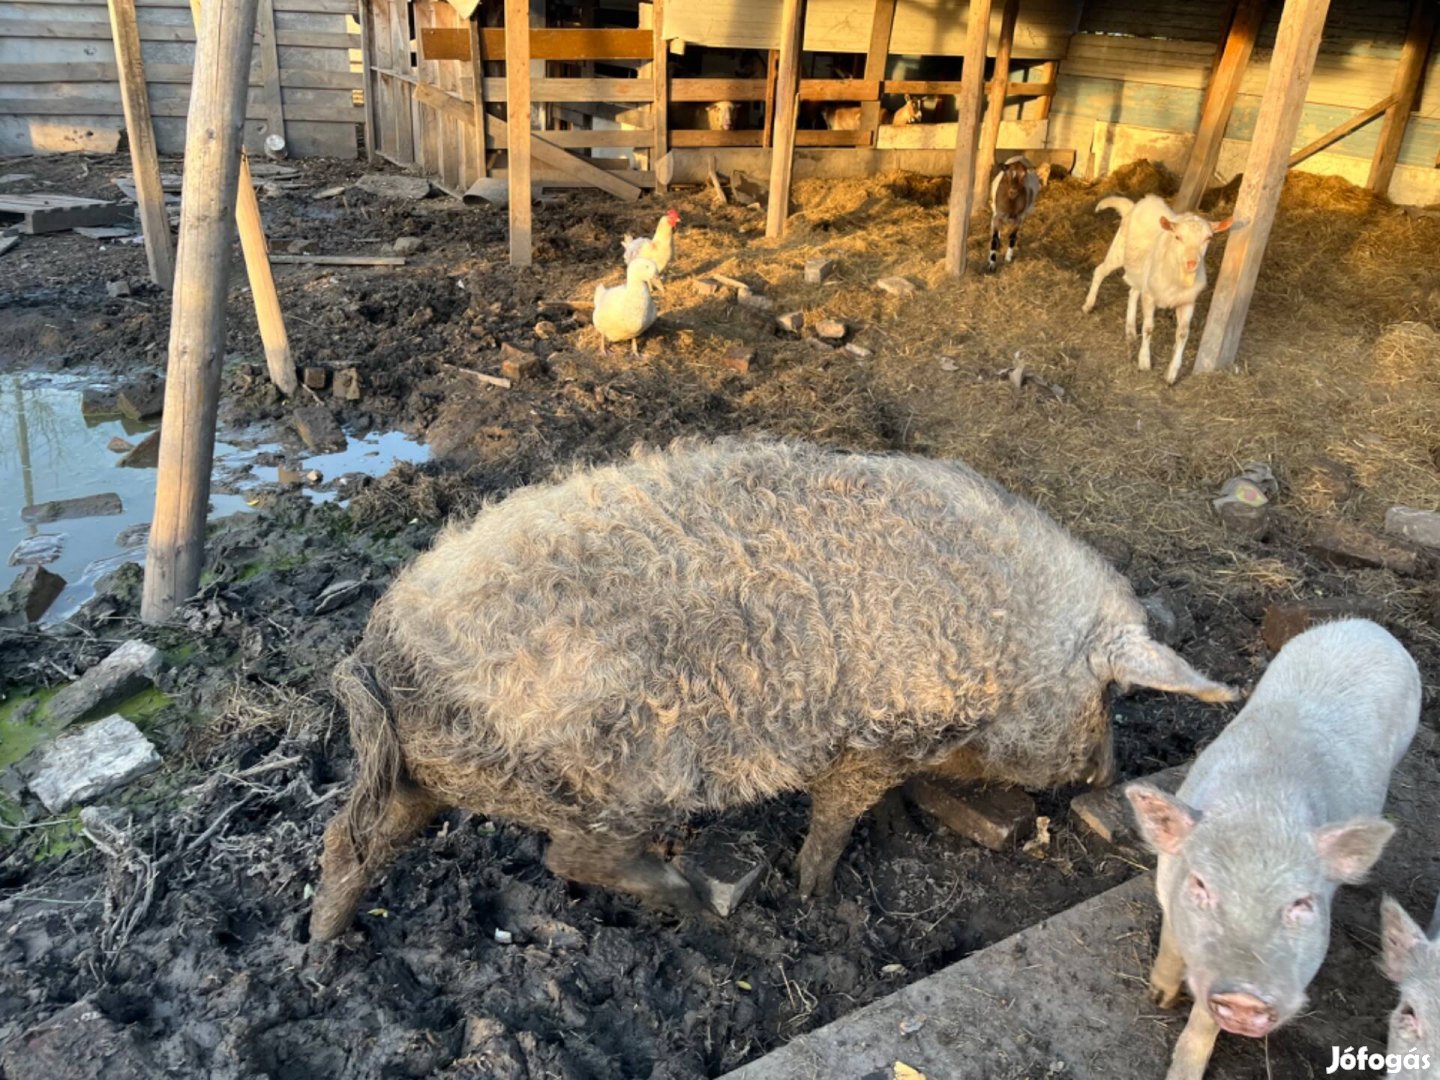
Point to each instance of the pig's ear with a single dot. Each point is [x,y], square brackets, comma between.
[1349,849]
[1139,660]
[1400,936]
[1164,820]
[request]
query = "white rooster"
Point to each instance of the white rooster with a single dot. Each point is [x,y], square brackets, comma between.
[659,249]
[624,312]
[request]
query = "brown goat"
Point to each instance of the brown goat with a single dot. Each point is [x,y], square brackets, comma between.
[1012,196]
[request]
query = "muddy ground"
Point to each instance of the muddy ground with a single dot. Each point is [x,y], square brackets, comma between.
[186,942]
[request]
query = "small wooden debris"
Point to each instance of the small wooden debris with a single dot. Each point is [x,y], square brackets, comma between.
[994,817]
[407,245]
[1288,619]
[104,232]
[102,505]
[517,364]
[491,380]
[858,351]
[817,270]
[117,289]
[897,286]
[791,322]
[339,260]
[738,358]
[315,377]
[347,384]
[830,330]
[55,213]
[1341,544]
[394,187]
[329,192]
[734,283]
[145,455]
[706,286]
[755,300]
[1417,526]
[1106,811]
[8,242]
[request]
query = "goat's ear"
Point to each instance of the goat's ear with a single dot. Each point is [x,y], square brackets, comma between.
[1222,226]
[1167,224]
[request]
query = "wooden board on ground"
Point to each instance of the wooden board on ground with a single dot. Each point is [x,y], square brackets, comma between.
[55,213]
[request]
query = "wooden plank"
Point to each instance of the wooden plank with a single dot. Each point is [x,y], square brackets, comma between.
[718,89]
[1408,72]
[1335,134]
[366,17]
[691,166]
[967,135]
[995,106]
[839,89]
[660,83]
[339,260]
[787,110]
[1219,102]
[517,112]
[1049,77]
[546,43]
[397,20]
[166,74]
[1030,89]
[567,164]
[144,159]
[477,78]
[772,67]
[1296,44]
[178,107]
[32,29]
[695,137]
[270,69]
[176,548]
[57,218]
[877,55]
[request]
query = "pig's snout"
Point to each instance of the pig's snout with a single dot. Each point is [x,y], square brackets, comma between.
[1243,1013]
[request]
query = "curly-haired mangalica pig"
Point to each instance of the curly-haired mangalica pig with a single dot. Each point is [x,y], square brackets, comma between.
[716,624]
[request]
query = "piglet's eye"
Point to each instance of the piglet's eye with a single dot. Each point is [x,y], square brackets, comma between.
[1300,911]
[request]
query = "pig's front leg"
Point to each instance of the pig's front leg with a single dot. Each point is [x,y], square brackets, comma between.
[837,799]
[1192,1052]
[1167,974]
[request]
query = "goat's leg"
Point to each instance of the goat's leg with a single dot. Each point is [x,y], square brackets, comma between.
[1010,252]
[1147,302]
[1104,270]
[1131,333]
[994,248]
[1182,335]
[837,799]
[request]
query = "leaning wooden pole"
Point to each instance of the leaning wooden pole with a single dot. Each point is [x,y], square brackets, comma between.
[517,127]
[1296,44]
[967,132]
[197,318]
[1405,88]
[995,105]
[135,99]
[787,108]
[1220,102]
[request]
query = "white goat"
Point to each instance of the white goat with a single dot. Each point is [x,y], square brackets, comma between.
[1163,254]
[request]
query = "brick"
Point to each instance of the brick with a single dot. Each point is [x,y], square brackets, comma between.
[1286,620]
[517,364]
[994,817]
[315,377]
[830,329]
[1106,811]
[1345,545]
[347,384]
[738,358]
[817,270]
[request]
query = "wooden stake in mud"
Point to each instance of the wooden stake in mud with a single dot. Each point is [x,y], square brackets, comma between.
[197,321]
[135,98]
[273,335]
[787,107]
[995,107]
[517,122]
[967,132]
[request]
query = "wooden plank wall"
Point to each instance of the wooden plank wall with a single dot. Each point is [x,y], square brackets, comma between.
[59,88]
[1145,64]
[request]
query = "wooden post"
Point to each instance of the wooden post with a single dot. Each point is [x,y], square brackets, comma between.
[995,107]
[772,68]
[1219,101]
[517,125]
[1296,44]
[135,99]
[1406,85]
[967,132]
[268,316]
[876,60]
[477,72]
[197,322]
[787,101]
[1049,76]
[269,71]
[661,81]
[369,81]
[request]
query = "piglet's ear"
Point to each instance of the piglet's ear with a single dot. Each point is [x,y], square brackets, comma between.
[1222,226]
[1139,660]
[1164,820]
[1167,224]
[1400,937]
[1349,849]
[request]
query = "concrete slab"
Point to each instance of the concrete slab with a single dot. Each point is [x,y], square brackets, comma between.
[1067,997]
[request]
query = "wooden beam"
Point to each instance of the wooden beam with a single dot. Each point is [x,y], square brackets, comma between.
[1335,134]
[197,322]
[860,90]
[546,43]
[1219,101]
[660,77]
[876,59]
[995,107]
[477,73]
[270,99]
[1404,89]
[787,108]
[369,84]
[517,123]
[772,67]
[150,195]
[967,134]
[1049,77]
[719,89]
[567,164]
[1296,44]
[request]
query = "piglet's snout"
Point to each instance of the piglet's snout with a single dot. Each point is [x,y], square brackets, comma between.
[1243,1013]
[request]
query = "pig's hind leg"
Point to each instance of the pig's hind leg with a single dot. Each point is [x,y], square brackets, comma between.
[1167,974]
[837,800]
[623,864]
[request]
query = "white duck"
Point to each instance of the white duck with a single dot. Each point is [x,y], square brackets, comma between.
[624,312]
